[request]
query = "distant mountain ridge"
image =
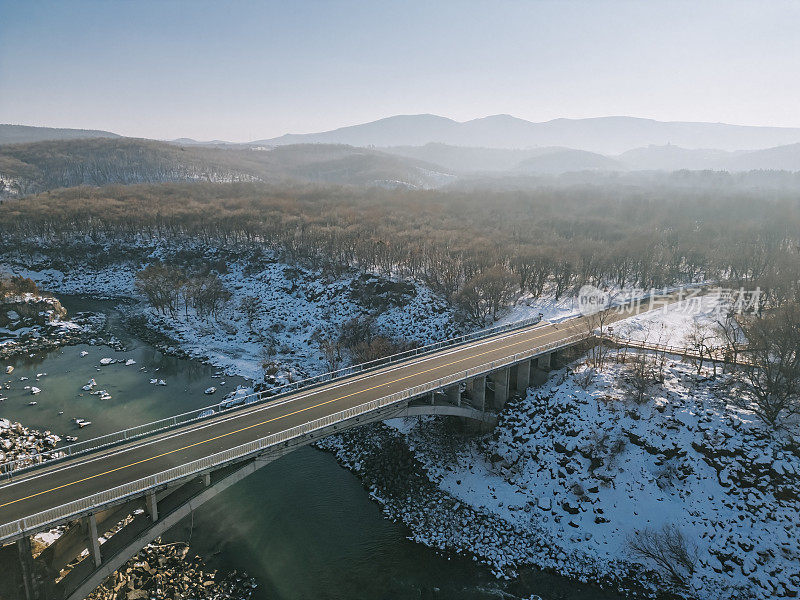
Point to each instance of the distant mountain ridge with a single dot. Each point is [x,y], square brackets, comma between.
[604,135]
[26,134]
[674,158]
[32,168]
[564,160]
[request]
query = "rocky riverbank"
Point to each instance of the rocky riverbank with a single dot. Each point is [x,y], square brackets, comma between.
[18,442]
[169,571]
[395,478]
[32,323]
[578,474]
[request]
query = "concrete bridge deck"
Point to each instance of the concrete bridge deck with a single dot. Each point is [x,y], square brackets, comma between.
[82,477]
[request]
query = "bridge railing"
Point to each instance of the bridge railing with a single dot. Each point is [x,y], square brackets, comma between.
[234,402]
[229,404]
[716,353]
[244,451]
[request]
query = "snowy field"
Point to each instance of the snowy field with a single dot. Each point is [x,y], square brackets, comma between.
[529,307]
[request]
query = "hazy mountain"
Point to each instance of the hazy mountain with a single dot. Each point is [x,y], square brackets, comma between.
[32,168]
[782,158]
[24,134]
[567,160]
[401,130]
[464,159]
[673,158]
[605,135]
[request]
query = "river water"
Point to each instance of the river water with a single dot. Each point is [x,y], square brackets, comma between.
[303,526]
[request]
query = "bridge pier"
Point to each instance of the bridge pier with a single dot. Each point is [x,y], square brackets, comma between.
[94,543]
[152,506]
[25,553]
[478,392]
[453,394]
[501,381]
[523,375]
[544,361]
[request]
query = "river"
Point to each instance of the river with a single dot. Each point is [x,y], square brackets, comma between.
[303,526]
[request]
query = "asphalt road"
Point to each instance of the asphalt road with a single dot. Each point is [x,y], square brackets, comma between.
[95,472]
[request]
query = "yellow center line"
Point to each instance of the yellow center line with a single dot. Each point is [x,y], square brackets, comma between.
[144,460]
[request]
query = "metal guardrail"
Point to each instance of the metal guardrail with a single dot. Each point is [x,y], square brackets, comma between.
[713,354]
[8,469]
[138,487]
[230,404]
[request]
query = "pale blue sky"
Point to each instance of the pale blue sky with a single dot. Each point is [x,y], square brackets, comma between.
[247,70]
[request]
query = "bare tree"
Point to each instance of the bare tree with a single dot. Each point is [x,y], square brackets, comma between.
[597,324]
[772,374]
[331,348]
[163,286]
[728,329]
[486,293]
[642,375]
[249,305]
[668,548]
[700,340]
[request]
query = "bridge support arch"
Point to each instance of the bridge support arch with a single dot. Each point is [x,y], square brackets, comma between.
[165,507]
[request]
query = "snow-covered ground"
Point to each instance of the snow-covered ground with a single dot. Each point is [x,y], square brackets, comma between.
[293,304]
[111,281]
[674,323]
[529,307]
[576,467]
[706,306]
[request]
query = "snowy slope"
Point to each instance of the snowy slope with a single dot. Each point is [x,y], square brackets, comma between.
[293,303]
[574,468]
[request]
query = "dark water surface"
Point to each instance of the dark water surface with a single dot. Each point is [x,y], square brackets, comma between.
[303,526]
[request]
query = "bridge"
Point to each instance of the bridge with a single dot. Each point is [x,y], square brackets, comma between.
[142,481]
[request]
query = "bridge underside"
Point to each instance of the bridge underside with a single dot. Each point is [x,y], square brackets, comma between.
[135,523]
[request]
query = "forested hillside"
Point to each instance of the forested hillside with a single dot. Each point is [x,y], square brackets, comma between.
[25,134]
[476,248]
[32,168]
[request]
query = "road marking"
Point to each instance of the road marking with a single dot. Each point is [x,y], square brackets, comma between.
[80,460]
[133,464]
[569,323]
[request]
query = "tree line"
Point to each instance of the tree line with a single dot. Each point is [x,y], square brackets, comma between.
[476,248]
